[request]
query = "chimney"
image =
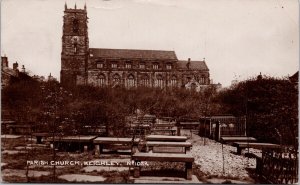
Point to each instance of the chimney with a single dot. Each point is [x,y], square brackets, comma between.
[15,66]
[23,68]
[4,62]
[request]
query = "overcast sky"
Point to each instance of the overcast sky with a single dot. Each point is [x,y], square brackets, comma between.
[237,38]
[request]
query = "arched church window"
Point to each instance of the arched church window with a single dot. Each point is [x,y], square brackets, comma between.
[75,43]
[159,81]
[155,65]
[101,80]
[116,78]
[173,81]
[130,81]
[145,80]
[75,25]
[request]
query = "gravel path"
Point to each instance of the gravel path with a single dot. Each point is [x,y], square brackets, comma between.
[210,159]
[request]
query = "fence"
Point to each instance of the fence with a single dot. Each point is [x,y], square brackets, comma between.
[278,166]
[218,126]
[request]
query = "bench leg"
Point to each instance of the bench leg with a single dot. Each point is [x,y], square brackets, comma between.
[137,169]
[239,150]
[178,131]
[134,149]
[38,140]
[187,150]
[189,170]
[101,149]
[97,150]
[85,148]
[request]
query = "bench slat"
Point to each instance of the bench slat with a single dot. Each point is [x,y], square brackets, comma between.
[237,139]
[255,145]
[166,138]
[114,140]
[163,157]
[170,144]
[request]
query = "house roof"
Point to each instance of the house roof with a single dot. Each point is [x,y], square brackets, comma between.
[132,54]
[199,65]
[294,77]
[8,71]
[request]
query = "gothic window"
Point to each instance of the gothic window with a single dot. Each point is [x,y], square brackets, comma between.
[155,66]
[142,65]
[75,25]
[100,65]
[130,82]
[128,65]
[116,78]
[114,65]
[101,80]
[159,81]
[145,80]
[202,79]
[173,81]
[75,42]
[169,66]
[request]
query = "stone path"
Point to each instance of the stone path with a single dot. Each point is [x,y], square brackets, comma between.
[82,178]
[22,173]
[104,168]
[165,180]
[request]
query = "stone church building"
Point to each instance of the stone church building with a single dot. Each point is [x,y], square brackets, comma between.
[82,65]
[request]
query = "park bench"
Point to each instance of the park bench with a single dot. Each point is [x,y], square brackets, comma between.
[171,132]
[164,125]
[100,142]
[40,136]
[232,139]
[163,157]
[73,142]
[242,145]
[166,138]
[19,129]
[186,145]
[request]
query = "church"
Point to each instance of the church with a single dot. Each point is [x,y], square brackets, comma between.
[82,65]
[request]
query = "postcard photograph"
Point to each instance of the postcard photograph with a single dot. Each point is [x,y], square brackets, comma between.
[149,91]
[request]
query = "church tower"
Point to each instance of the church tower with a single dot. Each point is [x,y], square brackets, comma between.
[75,46]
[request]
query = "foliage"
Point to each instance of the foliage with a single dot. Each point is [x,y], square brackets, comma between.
[271,106]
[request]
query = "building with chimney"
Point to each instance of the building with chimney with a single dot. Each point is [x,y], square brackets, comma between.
[82,65]
[7,73]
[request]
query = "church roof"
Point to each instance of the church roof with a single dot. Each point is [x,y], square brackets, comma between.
[132,54]
[198,65]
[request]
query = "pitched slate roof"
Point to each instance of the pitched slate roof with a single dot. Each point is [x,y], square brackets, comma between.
[199,65]
[132,54]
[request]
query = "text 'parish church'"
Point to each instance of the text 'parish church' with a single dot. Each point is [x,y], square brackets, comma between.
[81,65]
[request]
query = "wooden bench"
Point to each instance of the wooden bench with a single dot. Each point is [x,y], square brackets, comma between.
[100,142]
[166,125]
[186,145]
[242,145]
[163,157]
[166,138]
[70,142]
[232,139]
[170,131]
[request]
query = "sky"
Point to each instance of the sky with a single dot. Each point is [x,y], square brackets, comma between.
[238,38]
